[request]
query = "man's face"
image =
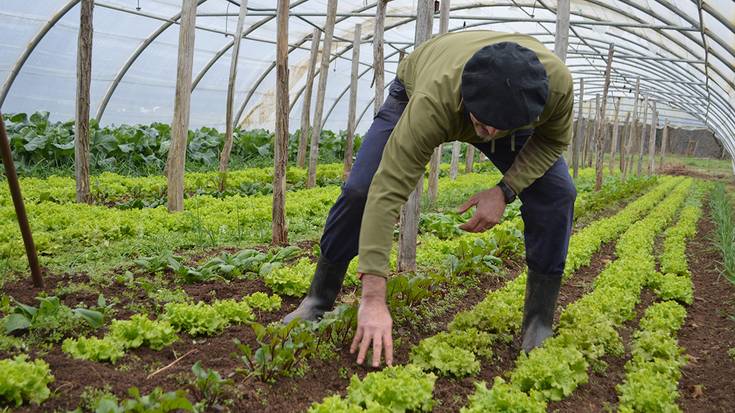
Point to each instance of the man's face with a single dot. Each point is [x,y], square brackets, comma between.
[482,130]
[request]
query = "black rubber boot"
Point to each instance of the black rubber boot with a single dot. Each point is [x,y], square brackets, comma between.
[542,291]
[323,291]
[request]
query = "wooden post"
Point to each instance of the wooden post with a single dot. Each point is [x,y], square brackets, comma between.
[615,130]
[20,209]
[469,159]
[410,212]
[623,134]
[578,137]
[642,141]
[224,159]
[436,157]
[378,54]
[664,142]
[280,157]
[454,165]
[353,100]
[652,140]
[316,128]
[306,107]
[182,104]
[601,122]
[632,129]
[561,37]
[84,79]
[588,133]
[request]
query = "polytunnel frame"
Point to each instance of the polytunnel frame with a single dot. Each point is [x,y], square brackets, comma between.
[725,123]
[593,21]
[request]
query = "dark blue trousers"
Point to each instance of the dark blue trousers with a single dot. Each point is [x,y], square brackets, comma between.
[547,205]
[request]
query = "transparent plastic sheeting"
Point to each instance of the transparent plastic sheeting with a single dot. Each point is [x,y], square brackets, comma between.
[659,41]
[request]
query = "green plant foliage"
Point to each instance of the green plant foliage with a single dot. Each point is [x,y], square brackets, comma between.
[261,301]
[207,319]
[22,380]
[721,210]
[210,388]
[142,331]
[51,320]
[397,389]
[504,397]
[453,353]
[553,371]
[283,350]
[156,401]
[93,348]
[293,280]
[335,404]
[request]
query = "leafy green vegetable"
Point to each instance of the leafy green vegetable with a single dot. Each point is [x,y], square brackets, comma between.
[95,349]
[21,380]
[142,331]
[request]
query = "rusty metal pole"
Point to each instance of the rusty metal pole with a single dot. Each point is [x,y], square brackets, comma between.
[20,210]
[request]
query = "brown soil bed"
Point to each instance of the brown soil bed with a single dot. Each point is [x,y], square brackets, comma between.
[707,383]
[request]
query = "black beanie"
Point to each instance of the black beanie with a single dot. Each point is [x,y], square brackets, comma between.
[504,85]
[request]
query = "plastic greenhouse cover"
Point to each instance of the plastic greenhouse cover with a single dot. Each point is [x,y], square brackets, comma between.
[672,68]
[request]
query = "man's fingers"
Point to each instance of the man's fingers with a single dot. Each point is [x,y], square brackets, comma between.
[388,344]
[377,349]
[364,345]
[467,205]
[472,224]
[356,340]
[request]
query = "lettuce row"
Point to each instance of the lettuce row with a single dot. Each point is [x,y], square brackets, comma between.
[394,389]
[653,373]
[587,327]
[674,281]
[22,380]
[194,319]
[500,313]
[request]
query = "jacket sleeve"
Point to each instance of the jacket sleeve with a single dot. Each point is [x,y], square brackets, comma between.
[547,144]
[422,127]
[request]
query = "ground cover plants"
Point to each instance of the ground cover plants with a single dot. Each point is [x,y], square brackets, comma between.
[192,324]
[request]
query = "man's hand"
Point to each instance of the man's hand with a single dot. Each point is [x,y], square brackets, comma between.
[490,207]
[374,323]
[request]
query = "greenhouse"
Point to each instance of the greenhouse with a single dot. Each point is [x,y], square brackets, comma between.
[367,205]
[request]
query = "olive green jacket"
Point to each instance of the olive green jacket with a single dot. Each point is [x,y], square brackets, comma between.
[434,114]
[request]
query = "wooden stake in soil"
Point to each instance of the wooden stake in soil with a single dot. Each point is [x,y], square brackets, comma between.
[652,140]
[577,143]
[353,101]
[436,160]
[378,54]
[623,134]
[588,133]
[469,159]
[316,130]
[632,129]
[20,209]
[454,165]
[182,104]
[306,109]
[642,141]
[224,159]
[279,226]
[411,211]
[84,79]
[601,122]
[615,131]
[664,142]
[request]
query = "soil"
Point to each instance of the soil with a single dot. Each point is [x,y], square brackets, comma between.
[707,383]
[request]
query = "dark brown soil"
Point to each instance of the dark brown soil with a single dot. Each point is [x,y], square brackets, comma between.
[707,383]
